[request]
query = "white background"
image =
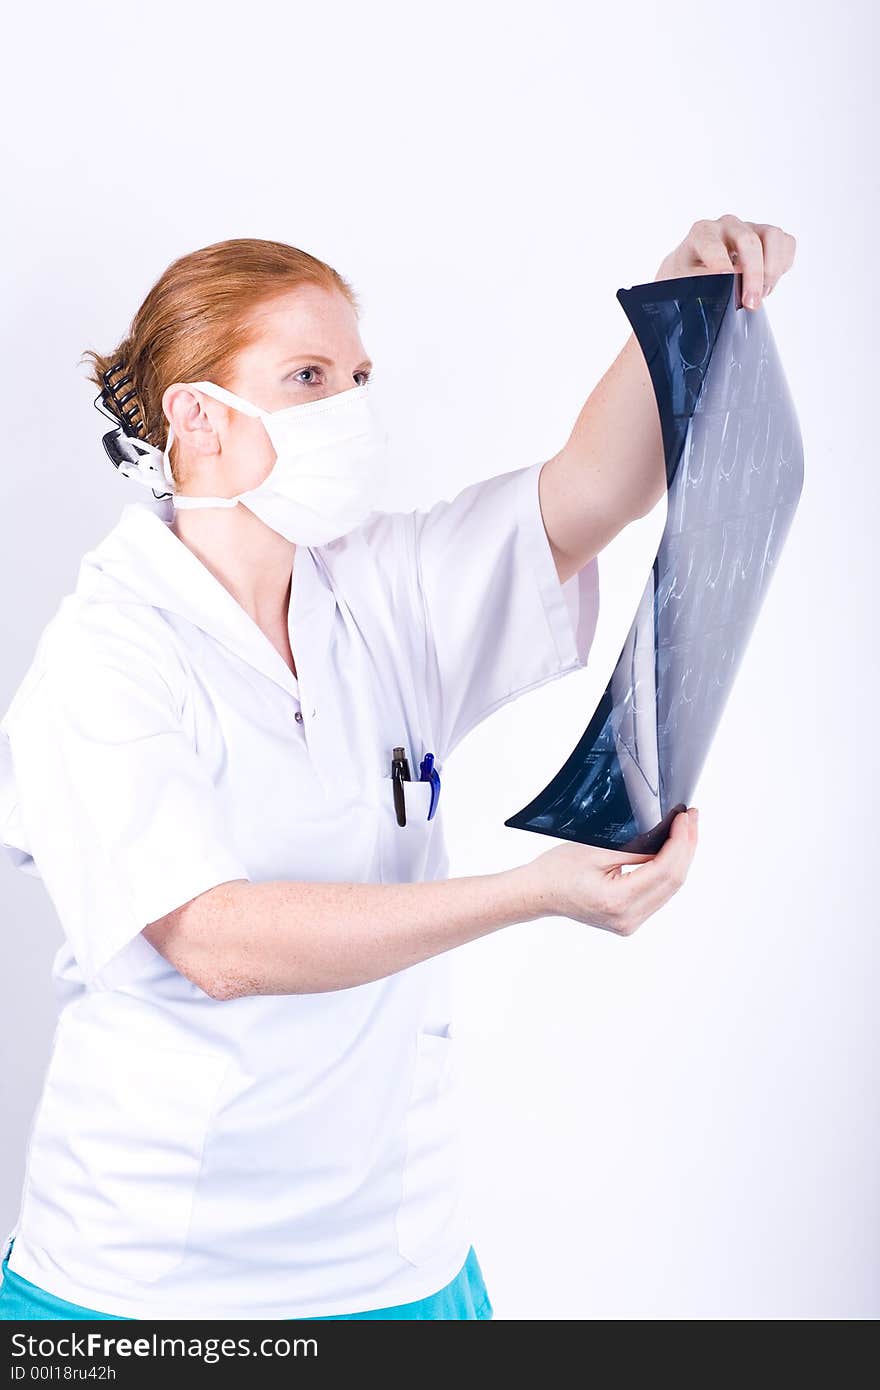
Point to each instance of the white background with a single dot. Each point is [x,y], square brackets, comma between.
[683,1124]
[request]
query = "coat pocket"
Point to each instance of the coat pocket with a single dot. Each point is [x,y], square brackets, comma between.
[116,1150]
[430,1196]
[404,848]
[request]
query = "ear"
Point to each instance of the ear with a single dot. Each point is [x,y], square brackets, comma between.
[190,418]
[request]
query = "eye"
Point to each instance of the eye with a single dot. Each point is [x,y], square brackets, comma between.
[366,377]
[297,375]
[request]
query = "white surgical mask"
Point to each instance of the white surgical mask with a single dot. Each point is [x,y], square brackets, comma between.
[331,462]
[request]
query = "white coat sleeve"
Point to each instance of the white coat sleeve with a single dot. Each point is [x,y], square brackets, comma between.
[114,808]
[497,622]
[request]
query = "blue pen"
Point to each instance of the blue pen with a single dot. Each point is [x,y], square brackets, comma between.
[428,773]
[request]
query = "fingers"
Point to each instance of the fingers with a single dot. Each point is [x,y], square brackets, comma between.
[746,250]
[779,249]
[760,251]
[707,241]
[641,893]
[610,858]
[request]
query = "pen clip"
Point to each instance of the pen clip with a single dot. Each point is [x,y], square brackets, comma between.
[399,774]
[429,773]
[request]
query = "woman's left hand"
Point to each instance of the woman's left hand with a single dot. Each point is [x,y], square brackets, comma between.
[761,251]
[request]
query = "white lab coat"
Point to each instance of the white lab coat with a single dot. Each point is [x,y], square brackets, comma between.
[271,1156]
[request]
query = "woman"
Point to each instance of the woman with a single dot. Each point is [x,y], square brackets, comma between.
[249,1106]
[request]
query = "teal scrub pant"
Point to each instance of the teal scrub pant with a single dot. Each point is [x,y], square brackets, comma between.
[464,1296]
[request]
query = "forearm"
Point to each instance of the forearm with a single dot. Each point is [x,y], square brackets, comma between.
[303,938]
[611,469]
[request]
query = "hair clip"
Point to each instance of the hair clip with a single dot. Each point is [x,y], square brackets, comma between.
[132,420]
[127,450]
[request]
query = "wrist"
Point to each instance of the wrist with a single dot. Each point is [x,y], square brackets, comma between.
[531,895]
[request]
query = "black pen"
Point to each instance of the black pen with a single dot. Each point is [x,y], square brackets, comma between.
[399,773]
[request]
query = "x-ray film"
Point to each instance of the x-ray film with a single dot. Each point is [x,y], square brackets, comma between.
[734,473]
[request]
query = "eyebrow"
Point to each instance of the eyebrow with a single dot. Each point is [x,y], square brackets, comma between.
[325,361]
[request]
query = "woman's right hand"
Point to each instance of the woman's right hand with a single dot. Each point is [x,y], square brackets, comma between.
[589,885]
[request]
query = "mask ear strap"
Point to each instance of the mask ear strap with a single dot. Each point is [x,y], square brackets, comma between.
[166,457]
[227,398]
[183,501]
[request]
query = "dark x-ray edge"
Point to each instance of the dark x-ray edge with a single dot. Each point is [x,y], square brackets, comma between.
[703,300]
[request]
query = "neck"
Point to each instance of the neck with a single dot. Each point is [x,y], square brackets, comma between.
[250,559]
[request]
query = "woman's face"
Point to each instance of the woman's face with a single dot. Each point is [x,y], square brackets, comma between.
[307,346]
